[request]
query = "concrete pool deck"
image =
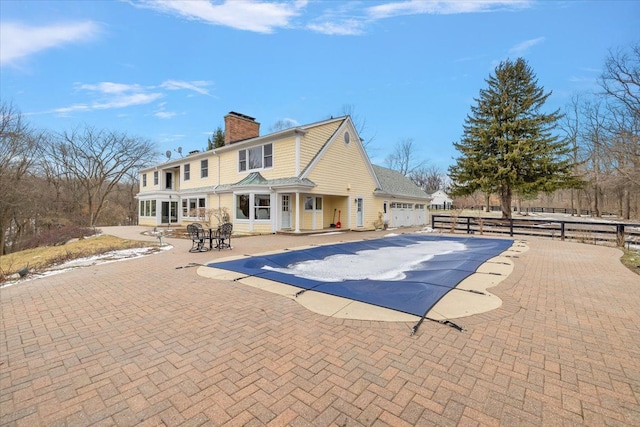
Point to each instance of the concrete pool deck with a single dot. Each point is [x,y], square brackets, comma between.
[150,342]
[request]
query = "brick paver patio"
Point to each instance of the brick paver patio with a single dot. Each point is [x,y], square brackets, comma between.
[142,342]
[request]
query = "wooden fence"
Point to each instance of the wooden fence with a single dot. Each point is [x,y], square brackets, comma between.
[616,233]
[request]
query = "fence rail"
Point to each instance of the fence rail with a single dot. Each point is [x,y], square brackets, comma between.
[617,233]
[498,208]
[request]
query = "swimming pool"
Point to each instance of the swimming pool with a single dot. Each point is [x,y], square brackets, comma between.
[408,273]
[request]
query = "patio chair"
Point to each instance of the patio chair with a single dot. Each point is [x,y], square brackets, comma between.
[223,236]
[198,237]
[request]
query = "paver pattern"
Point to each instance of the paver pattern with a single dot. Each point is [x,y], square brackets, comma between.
[145,342]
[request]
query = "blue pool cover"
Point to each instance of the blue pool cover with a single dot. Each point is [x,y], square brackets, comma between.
[420,289]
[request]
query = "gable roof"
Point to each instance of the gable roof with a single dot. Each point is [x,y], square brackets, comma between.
[393,183]
[346,123]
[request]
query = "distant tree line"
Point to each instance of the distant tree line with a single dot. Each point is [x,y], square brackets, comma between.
[83,177]
[603,130]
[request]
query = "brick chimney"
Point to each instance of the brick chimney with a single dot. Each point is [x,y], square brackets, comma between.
[238,127]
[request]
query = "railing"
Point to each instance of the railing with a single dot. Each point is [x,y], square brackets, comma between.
[617,233]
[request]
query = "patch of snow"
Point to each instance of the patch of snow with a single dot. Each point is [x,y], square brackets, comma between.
[427,230]
[388,263]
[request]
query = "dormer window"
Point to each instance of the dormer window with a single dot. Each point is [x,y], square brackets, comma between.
[254,158]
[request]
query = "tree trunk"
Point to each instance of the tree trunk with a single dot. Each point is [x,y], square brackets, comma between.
[579,209]
[505,202]
[487,208]
[627,205]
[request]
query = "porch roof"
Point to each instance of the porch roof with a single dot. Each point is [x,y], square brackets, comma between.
[254,179]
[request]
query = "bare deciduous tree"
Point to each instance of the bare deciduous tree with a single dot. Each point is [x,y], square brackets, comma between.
[18,153]
[621,78]
[97,160]
[404,158]
[570,124]
[429,178]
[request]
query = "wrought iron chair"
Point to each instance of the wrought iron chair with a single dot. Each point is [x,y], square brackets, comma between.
[223,236]
[198,237]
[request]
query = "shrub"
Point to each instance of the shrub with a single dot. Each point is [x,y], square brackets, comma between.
[57,236]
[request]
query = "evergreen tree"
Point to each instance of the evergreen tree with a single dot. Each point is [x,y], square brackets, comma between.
[216,140]
[507,145]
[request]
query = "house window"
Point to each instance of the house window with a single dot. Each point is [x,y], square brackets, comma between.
[259,203]
[187,172]
[204,168]
[268,155]
[155,178]
[262,206]
[148,208]
[312,203]
[144,179]
[194,207]
[168,181]
[242,206]
[260,157]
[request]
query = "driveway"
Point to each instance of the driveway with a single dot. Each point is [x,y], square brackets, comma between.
[148,341]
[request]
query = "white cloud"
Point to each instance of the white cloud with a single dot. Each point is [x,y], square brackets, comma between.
[18,41]
[111,95]
[196,86]
[110,87]
[343,27]
[165,114]
[521,48]
[119,101]
[348,20]
[249,15]
[442,7]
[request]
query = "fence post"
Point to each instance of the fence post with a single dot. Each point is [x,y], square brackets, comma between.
[468,225]
[511,227]
[620,234]
[562,230]
[433,222]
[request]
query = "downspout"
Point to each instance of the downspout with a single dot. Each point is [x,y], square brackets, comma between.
[297,205]
[215,153]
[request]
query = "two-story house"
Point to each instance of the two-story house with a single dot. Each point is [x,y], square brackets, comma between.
[309,177]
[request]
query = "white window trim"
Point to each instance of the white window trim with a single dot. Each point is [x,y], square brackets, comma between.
[252,207]
[197,199]
[246,158]
[204,169]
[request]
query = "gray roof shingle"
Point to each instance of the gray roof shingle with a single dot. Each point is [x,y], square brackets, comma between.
[394,183]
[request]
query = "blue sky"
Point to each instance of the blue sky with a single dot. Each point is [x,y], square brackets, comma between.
[170,71]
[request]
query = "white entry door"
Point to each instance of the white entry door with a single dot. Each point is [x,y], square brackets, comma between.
[285,211]
[359,212]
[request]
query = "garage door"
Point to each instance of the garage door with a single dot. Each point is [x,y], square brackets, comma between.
[421,214]
[402,214]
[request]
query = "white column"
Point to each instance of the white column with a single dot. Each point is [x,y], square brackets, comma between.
[297,212]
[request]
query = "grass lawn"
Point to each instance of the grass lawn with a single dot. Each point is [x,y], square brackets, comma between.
[631,260]
[39,259]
